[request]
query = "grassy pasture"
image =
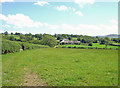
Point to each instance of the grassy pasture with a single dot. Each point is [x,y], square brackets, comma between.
[15,36]
[94,46]
[62,67]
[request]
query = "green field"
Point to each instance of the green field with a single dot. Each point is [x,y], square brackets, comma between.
[15,36]
[93,46]
[62,67]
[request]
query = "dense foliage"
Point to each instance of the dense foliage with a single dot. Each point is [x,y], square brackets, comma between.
[56,39]
[48,40]
[10,47]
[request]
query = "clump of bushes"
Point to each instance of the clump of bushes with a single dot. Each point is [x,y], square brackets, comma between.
[63,46]
[90,44]
[74,47]
[10,47]
[69,47]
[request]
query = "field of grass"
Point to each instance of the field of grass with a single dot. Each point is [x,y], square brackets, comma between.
[62,67]
[15,36]
[116,43]
[94,46]
[74,38]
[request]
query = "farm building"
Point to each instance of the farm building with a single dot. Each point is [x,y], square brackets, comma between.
[70,42]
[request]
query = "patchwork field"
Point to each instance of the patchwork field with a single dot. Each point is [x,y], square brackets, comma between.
[94,45]
[61,67]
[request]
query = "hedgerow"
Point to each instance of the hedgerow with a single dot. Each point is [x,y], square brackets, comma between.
[26,46]
[10,47]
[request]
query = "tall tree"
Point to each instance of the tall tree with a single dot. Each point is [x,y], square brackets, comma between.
[48,40]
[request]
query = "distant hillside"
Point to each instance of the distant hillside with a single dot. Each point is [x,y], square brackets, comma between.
[110,36]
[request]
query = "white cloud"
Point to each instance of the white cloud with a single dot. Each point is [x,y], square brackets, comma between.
[2,17]
[62,8]
[6,0]
[113,21]
[51,26]
[41,3]
[90,29]
[82,3]
[79,13]
[67,26]
[6,26]
[20,21]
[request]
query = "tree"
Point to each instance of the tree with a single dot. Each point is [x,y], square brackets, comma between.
[96,36]
[78,39]
[6,33]
[48,40]
[17,33]
[58,38]
[107,38]
[90,44]
[38,36]
[11,33]
[95,41]
[12,38]
[69,38]
[115,40]
[83,41]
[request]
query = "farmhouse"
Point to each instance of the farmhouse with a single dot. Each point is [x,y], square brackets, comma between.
[68,41]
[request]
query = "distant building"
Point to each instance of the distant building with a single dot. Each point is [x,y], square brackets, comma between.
[68,41]
[65,41]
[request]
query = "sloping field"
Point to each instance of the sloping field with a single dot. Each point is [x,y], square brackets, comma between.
[61,67]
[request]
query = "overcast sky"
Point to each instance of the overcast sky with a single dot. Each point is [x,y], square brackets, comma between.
[86,17]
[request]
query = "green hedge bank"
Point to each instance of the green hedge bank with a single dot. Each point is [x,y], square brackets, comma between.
[12,46]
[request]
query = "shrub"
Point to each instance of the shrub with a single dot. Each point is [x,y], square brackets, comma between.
[90,44]
[74,47]
[63,43]
[69,46]
[63,46]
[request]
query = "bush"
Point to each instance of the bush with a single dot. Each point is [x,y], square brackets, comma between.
[90,44]
[10,47]
[69,46]
[63,46]
[74,47]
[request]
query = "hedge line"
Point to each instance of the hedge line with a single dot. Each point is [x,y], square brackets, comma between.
[11,46]
[26,46]
[86,47]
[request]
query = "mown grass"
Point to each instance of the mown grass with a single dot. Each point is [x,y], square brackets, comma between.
[94,45]
[63,67]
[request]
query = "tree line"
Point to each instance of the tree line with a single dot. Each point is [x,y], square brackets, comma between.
[52,40]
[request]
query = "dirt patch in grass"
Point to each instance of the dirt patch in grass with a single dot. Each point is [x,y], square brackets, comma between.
[33,80]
